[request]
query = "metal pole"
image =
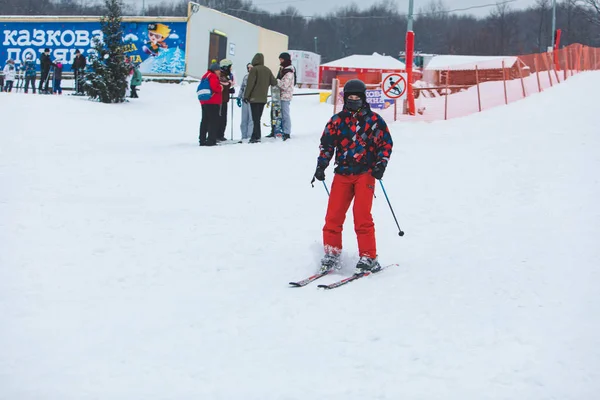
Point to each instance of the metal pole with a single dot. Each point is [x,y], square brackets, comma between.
[409,27]
[553,21]
[143,7]
[316,52]
[409,48]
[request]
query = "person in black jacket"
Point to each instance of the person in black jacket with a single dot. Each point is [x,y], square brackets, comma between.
[45,64]
[78,67]
[56,82]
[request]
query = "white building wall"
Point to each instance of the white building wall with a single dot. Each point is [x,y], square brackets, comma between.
[271,44]
[244,40]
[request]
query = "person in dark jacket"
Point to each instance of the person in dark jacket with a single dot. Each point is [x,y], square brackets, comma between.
[136,81]
[227,81]
[210,108]
[362,145]
[260,79]
[45,64]
[56,82]
[78,67]
[30,73]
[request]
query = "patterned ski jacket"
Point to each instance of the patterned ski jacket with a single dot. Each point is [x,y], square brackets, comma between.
[286,83]
[29,68]
[360,140]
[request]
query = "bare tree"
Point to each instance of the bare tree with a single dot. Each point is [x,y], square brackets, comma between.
[593,11]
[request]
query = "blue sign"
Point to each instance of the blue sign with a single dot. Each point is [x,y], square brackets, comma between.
[374,98]
[158,48]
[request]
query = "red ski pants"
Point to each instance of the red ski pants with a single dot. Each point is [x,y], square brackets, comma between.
[345,188]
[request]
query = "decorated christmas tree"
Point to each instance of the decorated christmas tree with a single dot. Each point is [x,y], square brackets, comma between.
[107,80]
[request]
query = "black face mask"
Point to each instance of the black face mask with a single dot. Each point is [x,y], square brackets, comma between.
[354,105]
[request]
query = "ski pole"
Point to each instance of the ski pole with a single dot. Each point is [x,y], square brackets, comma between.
[324,185]
[400,232]
[231,100]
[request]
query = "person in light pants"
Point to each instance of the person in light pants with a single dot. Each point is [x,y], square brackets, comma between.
[247,124]
[286,80]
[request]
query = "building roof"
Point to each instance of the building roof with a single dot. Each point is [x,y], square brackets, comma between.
[461,63]
[360,61]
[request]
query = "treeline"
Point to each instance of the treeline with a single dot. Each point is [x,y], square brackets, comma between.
[382,27]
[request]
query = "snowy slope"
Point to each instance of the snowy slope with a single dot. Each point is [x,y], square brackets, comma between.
[136,265]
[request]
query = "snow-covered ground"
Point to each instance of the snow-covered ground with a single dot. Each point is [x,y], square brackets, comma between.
[136,265]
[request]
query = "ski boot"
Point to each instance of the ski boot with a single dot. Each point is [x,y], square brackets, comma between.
[329,262]
[366,264]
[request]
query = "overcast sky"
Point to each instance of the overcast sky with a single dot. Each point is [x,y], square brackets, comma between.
[315,7]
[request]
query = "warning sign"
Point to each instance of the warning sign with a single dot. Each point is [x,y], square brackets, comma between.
[394,86]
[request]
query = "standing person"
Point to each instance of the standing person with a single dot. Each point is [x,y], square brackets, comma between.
[286,79]
[210,108]
[78,67]
[362,144]
[45,64]
[9,75]
[56,83]
[2,80]
[135,81]
[130,68]
[246,126]
[30,73]
[260,79]
[228,83]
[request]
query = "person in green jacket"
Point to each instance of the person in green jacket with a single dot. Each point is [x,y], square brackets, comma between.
[136,81]
[260,79]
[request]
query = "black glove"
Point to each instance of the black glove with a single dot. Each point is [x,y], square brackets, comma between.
[246,100]
[232,90]
[378,172]
[320,174]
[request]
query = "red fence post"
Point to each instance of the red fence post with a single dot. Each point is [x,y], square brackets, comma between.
[545,58]
[521,73]
[556,73]
[504,81]
[446,99]
[537,72]
[478,92]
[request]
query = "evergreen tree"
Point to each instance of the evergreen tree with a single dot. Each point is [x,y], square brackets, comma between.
[107,80]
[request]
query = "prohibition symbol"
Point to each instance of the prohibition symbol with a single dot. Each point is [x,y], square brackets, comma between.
[394,86]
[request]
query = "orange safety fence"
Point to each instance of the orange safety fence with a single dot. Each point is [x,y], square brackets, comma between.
[453,91]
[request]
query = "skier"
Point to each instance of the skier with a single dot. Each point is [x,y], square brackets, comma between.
[210,108]
[260,79]
[30,73]
[45,64]
[246,125]
[227,81]
[9,75]
[78,68]
[362,144]
[286,81]
[136,81]
[56,82]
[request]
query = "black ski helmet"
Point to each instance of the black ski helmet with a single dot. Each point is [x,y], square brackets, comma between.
[356,87]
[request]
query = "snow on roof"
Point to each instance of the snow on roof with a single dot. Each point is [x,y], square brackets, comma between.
[458,63]
[374,61]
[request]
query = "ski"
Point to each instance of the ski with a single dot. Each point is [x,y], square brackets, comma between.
[310,279]
[352,278]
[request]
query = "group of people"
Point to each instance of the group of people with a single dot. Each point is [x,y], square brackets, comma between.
[357,138]
[50,72]
[252,98]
